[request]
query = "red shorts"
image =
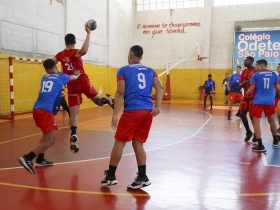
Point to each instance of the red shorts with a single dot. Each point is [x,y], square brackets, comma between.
[257,110]
[44,120]
[134,125]
[235,97]
[206,94]
[245,104]
[79,86]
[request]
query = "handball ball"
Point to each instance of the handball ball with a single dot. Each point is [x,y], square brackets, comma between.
[91,24]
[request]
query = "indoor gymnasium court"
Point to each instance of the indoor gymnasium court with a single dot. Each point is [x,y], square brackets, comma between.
[139,104]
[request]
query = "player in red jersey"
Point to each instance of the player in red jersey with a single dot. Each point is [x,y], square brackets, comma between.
[71,60]
[247,100]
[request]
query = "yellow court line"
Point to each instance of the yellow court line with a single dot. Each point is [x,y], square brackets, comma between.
[114,194]
[72,191]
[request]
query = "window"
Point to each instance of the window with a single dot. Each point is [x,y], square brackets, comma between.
[147,5]
[238,2]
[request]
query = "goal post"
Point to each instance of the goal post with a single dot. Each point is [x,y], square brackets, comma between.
[19,84]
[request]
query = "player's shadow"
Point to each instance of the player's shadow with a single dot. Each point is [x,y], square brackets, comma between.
[141,198]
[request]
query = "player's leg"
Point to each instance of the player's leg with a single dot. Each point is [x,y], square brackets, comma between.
[270,113]
[91,93]
[142,179]
[116,155]
[256,113]
[204,101]
[64,105]
[244,107]
[211,102]
[124,134]
[278,116]
[140,137]
[74,119]
[230,104]
[44,120]
[100,101]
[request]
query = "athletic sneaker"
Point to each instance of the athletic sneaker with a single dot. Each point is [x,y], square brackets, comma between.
[248,136]
[254,140]
[108,100]
[28,165]
[73,143]
[259,149]
[238,114]
[139,182]
[109,180]
[43,163]
[276,140]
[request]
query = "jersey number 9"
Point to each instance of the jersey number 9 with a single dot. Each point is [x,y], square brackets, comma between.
[47,86]
[142,81]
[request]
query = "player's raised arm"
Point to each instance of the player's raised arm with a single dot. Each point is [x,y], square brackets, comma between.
[118,102]
[159,93]
[85,46]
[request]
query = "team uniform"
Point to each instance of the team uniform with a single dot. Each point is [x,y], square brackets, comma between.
[277,97]
[135,122]
[247,100]
[226,84]
[47,104]
[264,99]
[82,85]
[208,87]
[235,89]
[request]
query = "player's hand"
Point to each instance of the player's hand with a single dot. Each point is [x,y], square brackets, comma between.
[77,73]
[87,29]
[115,121]
[155,111]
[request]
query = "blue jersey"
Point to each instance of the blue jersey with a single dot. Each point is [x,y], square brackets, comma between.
[235,83]
[208,86]
[139,81]
[50,92]
[264,82]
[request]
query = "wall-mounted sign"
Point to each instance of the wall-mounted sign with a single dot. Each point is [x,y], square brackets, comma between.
[153,30]
[258,44]
[57,1]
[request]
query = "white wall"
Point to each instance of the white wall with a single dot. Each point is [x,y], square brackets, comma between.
[31,26]
[215,34]
[37,27]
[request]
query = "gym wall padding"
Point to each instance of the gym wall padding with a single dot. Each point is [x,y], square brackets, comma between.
[27,77]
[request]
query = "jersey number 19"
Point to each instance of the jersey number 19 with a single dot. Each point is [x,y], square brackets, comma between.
[47,86]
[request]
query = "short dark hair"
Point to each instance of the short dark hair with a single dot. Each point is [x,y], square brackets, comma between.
[209,75]
[262,61]
[137,51]
[48,64]
[70,39]
[250,58]
[239,66]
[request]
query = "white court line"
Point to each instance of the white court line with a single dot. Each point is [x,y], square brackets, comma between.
[264,160]
[148,150]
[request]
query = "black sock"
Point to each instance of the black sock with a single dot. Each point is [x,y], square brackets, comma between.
[246,124]
[30,156]
[229,113]
[73,130]
[204,102]
[112,170]
[41,157]
[142,170]
[260,143]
